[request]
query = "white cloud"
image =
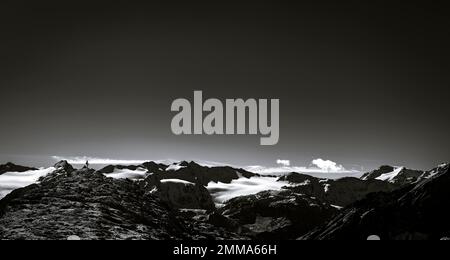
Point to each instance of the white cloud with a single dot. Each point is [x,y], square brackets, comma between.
[328,166]
[92,160]
[284,162]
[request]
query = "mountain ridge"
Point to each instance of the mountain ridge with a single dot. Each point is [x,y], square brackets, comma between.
[162,201]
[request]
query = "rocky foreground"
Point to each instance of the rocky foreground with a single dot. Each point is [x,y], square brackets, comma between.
[89,205]
[156,201]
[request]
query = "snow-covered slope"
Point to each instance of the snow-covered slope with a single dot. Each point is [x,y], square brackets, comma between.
[399,176]
[390,176]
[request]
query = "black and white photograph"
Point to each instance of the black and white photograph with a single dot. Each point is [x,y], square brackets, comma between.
[224,121]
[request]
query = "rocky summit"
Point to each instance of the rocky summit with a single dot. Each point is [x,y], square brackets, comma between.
[398,176]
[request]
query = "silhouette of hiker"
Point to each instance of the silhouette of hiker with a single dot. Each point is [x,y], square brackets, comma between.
[87,165]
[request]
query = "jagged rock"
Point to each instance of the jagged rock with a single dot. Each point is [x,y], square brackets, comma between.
[275,214]
[88,205]
[416,212]
[10,167]
[341,192]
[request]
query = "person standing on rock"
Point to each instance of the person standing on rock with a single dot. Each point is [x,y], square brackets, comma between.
[87,165]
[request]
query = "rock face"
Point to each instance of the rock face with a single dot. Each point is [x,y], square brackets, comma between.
[88,205]
[399,176]
[340,192]
[418,211]
[184,195]
[273,215]
[10,167]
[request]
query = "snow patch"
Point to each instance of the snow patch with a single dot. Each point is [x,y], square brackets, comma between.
[337,207]
[391,175]
[177,181]
[326,187]
[10,181]
[305,183]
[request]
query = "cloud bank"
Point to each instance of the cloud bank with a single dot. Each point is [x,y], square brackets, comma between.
[318,168]
[222,192]
[92,160]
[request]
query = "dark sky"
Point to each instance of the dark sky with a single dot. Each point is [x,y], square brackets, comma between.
[360,84]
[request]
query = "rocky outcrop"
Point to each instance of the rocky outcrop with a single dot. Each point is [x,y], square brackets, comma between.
[273,215]
[64,166]
[184,195]
[86,204]
[10,167]
[416,212]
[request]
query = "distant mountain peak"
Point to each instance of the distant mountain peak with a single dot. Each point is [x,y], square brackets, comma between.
[11,167]
[394,174]
[378,172]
